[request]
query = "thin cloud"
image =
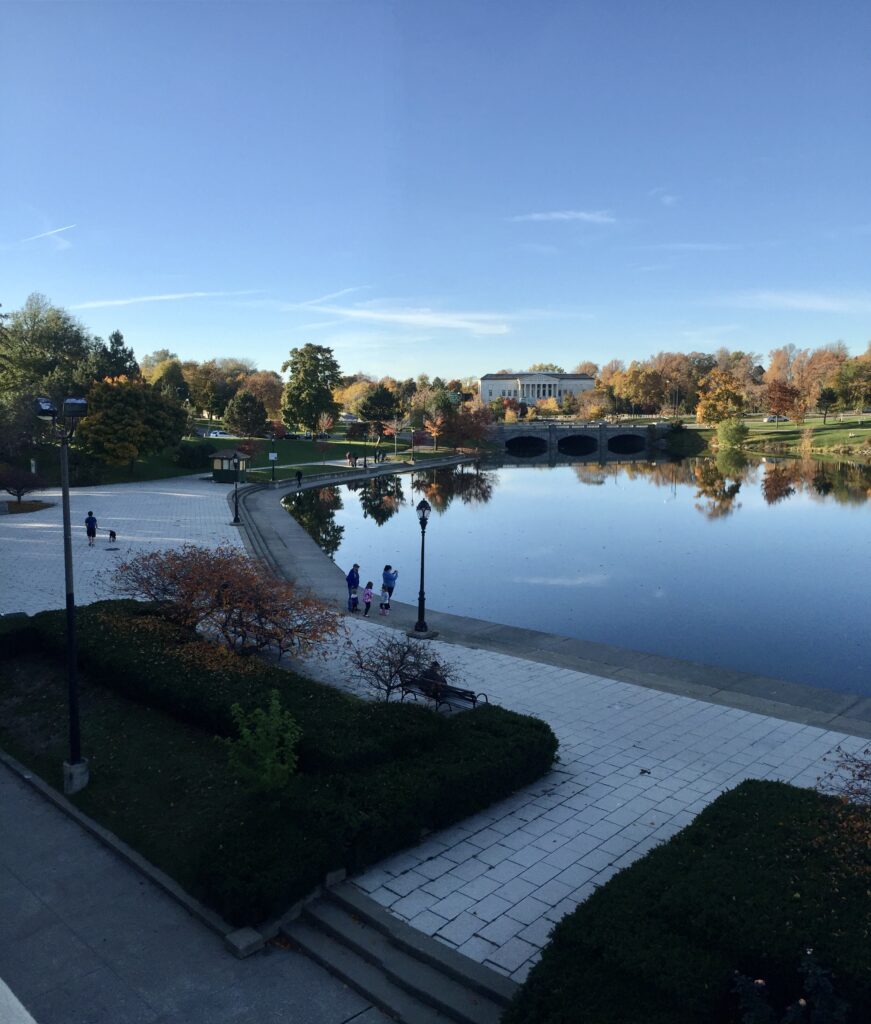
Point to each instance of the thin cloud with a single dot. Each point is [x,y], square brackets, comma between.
[171,297]
[803,301]
[46,234]
[475,323]
[335,295]
[664,196]
[693,246]
[582,216]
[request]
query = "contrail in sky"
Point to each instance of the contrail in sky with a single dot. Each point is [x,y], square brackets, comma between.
[45,234]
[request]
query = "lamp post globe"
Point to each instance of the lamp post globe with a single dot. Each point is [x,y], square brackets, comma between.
[423,510]
[236,519]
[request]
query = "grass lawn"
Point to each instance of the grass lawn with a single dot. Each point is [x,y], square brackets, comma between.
[289,472]
[789,436]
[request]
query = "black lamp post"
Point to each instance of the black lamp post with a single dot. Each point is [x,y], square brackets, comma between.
[273,459]
[236,519]
[76,769]
[423,513]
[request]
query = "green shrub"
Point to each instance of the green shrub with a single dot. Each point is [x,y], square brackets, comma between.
[17,635]
[747,887]
[263,755]
[371,777]
[732,433]
[190,455]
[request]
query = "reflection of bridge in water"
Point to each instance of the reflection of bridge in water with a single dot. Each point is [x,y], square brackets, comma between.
[596,442]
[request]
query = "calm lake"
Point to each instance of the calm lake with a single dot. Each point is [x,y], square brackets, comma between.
[761,567]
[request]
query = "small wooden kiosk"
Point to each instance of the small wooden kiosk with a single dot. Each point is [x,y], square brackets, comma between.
[224,466]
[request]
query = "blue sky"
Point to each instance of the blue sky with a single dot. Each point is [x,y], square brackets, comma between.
[441,187]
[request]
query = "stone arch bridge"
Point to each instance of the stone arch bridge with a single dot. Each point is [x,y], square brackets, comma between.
[578,439]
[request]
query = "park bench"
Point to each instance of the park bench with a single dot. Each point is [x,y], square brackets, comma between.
[432,686]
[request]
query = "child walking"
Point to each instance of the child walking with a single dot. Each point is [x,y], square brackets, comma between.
[385,602]
[367,598]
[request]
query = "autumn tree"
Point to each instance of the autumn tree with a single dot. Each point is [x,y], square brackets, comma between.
[721,397]
[169,380]
[588,367]
[129,420]
[150,362]
[782,398]
[268,386]
[435,425]
[314,374]
[227,595]
[545,368]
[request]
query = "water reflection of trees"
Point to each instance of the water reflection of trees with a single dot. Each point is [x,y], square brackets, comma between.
[719,480]
[471,484]
[718,483]
[381,498]
[315,511]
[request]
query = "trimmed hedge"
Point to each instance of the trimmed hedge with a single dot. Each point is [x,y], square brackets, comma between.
[128,648]
[747,887]
[372,777]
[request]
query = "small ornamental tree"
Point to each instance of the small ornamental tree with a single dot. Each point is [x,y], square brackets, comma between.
[263,755]
[18,482]
[229,596]
[386,664]
[435,426]
[782,398]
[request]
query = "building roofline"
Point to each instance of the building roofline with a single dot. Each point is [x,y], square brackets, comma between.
[536,373]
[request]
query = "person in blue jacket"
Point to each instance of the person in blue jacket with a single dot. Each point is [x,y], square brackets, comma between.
[353,581]
[388,578]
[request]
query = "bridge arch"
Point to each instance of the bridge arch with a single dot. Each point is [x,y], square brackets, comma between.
[627,444]
[526,446]
[577,444]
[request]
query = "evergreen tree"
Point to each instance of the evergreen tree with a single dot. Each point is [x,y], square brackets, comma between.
[314,374]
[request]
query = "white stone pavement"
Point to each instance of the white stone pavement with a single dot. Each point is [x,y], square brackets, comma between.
[636,765]
[145,516]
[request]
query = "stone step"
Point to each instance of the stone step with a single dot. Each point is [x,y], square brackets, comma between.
[407,974]
[427,984]
[495,987]
[362,976]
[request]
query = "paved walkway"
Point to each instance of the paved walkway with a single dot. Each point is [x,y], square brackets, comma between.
[85,939]
[640,753]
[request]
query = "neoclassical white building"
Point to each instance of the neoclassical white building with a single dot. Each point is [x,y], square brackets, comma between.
[532,387]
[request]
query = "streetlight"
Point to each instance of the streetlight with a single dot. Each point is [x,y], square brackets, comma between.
[236,519]
[76,769]
[273,458]
[423,510]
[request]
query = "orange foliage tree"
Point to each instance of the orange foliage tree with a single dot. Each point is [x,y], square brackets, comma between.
[225,594]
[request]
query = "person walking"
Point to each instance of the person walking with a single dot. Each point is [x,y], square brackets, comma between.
[353,581]
[367,598]
[298,479]
[388,578]
[91,529]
